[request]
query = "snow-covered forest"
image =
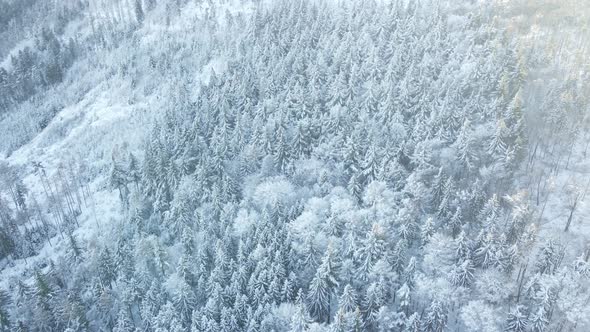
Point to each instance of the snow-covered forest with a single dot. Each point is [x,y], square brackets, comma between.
[294,165]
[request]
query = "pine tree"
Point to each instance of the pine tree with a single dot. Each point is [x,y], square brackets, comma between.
[124,322]
[196,318]
[118,180]
[123,260]
[539,320]
[43,305]
[464,146]
[427,230]
[340,323]
[438,188]
[371,250]
[548,258]
[334,225]
[176,326]
[374,300]
[184,301]
[300,319]
[164,319]
[214,304]
[355,187]
[444,208]
[133,170]
[139,15]
[281,150]
[409,272]
[413,323]
[497,147]
[403,293]
[582,266]
[106,267]
[517,320]
[371,164]
[463,248]
[20,193]
[490,213]
[351,156]
[150,304]
[5,302]
[462,273]
[302,140]
[319,294]
[456,222]
[486,251]
[436,318]
[74,251]
[348,299]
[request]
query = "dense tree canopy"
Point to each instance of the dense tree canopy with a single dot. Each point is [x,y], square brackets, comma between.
[350,167]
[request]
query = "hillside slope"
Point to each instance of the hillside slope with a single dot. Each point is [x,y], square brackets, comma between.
[294,166]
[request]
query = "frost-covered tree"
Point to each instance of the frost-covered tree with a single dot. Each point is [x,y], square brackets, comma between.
[517,320]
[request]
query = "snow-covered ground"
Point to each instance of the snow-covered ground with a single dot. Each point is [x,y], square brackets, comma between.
[561,189]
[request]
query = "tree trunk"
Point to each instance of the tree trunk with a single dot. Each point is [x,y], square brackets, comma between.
[569,219]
